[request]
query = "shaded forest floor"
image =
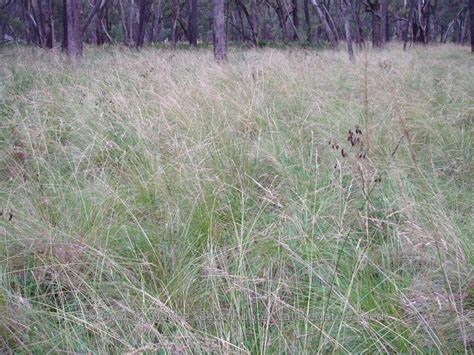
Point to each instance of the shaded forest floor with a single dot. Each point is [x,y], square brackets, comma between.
[157,200]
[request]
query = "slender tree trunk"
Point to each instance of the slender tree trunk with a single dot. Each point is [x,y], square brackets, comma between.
[384,32]
[296,21]
[358,23]
[193,23]
[64,41]
[375,10]
[330,20]
[327,27]
[408,26]
[176,10]
[359,31]
[144,14]
[464,27]
[282,20]
[123,15]
[74,29]
[38,16]
[307,20]
[43,10]
[345,7]
[471,21]
[100,31]
[218,29]
[255,19]
[156,22]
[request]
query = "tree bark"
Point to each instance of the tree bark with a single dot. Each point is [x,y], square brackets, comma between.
[307,20]
[471,21]
[126,35]
[327,27]
[101,34]
[408,26]
[156,22]
[255,21]
[281,19]
[176,11]
[358,23]
[43,13]
[144,15]
[74,47]
[192,27]
[218,29]
[296,21]
[374,7]
[384,32]
[345,10]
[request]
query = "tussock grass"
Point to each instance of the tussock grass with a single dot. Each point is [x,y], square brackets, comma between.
[155,200]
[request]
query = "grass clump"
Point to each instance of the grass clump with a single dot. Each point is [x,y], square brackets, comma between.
[156,201]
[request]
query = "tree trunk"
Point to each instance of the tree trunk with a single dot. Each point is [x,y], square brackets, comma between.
[408,26]
[74,47]
[307,20]
[384,31]
[176,10]
[345,10]
[420,24]
[123,15]
[218,29]
[64,41]
[192,27]
[327,27]
[296,21]
[358,23]
[155,29]
[43,11]
[100,30]
[281,20]
[374,11]
[144,14]
[255,21]
[471,21]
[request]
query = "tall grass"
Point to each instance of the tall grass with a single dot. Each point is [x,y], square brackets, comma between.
[157,201]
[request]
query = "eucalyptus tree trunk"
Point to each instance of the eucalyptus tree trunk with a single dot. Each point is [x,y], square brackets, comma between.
[384,30]
[355,7]
[193,28]
[123,17]
[144,14]
[48,23]
[471,21]
[307,20]
[218,28]
[176,10]
[345,11]
[322,16]
[74,46]
[255,17]
[296,21]
[156,22]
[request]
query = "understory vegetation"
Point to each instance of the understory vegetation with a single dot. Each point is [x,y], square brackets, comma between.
[155,200]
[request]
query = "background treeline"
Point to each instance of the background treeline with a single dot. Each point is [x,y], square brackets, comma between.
[70,23]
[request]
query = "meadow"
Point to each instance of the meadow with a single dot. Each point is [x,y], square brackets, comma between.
[286,200]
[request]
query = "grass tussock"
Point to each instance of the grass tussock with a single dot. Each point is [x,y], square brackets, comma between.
[155,200]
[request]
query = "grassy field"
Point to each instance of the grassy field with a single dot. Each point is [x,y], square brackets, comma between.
[157,201]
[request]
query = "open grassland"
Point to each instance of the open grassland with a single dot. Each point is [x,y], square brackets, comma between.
[155,200]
